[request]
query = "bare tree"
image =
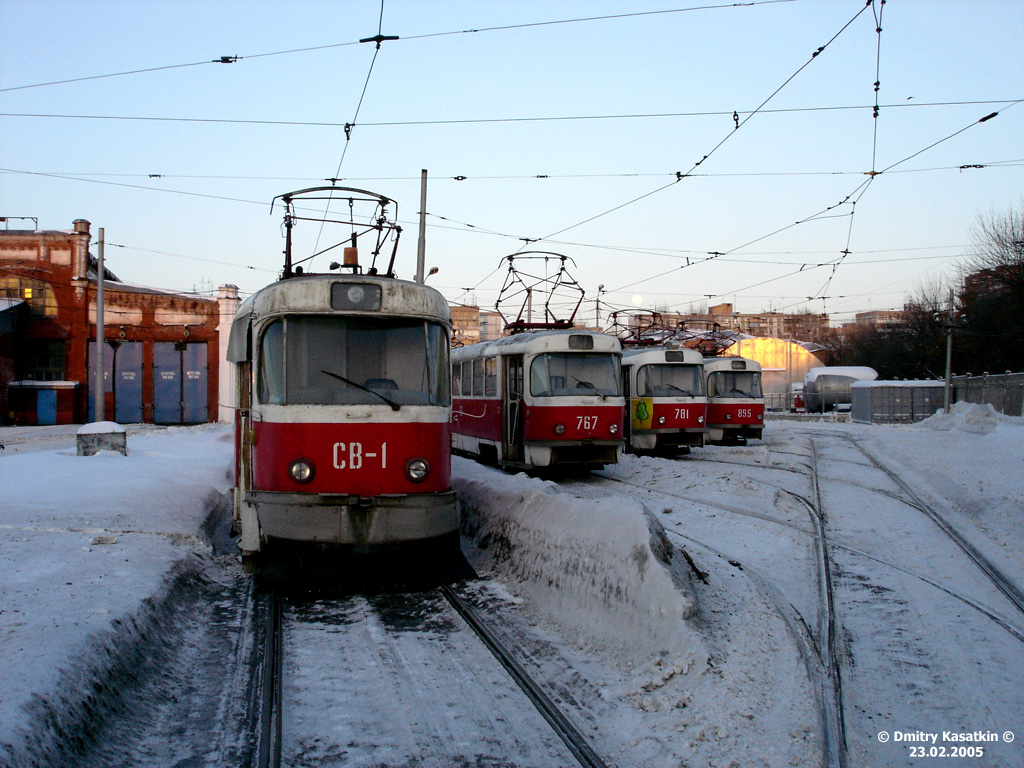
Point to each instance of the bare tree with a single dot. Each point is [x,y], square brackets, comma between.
[993,293]
[997,250]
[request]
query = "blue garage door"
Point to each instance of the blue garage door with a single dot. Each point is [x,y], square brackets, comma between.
[128,383]
[195,403]
[179,383]
[122,375]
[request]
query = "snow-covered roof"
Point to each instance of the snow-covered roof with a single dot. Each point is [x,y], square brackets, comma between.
[860,372]
[910,383]
[100,428]
[35,384]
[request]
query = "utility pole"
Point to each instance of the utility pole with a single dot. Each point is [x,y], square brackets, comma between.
[421,245]
[98,394]
[949,321]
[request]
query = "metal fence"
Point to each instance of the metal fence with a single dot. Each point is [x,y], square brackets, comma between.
[896,402]
[1004,391]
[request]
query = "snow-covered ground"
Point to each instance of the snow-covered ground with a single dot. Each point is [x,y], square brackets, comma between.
[683,591]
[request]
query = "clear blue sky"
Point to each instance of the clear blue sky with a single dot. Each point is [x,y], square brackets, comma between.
[606,110]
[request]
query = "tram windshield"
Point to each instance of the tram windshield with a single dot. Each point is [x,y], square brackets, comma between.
[669,381]
[354,360]
[560,374]
[734,384]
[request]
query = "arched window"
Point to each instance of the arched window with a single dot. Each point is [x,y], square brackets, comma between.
[37,294]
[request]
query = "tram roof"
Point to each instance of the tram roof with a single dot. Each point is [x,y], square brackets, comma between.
[312,295]
[659,355]
[726,363]
[540,341]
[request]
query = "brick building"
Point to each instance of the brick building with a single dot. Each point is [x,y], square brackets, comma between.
[881,318]
[161,359]
[472,324]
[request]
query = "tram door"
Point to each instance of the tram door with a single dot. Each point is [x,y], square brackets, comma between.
[627,393]
[513,417]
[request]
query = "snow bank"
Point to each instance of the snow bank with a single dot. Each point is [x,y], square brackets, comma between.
[600,568]
[969,417]
[89,551]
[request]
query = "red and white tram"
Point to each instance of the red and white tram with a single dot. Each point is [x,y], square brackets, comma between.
[735,399]
[539,400]
[343,408]
[666,401]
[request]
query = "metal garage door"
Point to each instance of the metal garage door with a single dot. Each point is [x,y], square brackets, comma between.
[179,383]
[122,375]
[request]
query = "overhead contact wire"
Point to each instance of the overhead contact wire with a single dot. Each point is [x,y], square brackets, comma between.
[348,126]
[233,59]
[739,123]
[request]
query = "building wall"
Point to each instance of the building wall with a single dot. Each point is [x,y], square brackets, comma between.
[880,318]
[465,324]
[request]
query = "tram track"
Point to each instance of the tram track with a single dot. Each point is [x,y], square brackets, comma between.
[269,695]
[268,692]
[882,649]
[567,732]
[993,573]
[835,721]
[817,646]
[862,592]
[810,531]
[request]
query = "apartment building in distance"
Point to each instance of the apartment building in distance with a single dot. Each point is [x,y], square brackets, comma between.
[806,326]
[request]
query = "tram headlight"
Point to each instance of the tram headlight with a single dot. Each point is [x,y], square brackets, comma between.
[417,470]
[728,417]
[700,419]
[301,470]
[559,429]
[661,419]
[613,428]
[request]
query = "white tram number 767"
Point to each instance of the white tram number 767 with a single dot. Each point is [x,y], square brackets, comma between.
[352,455]
[586,422]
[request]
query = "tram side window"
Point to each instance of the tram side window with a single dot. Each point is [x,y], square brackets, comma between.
[478,377]
[734,384]
[456,379]
[491,377]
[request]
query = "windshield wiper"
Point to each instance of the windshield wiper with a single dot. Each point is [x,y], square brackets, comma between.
[394,406]
[685,392]
[588,385]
